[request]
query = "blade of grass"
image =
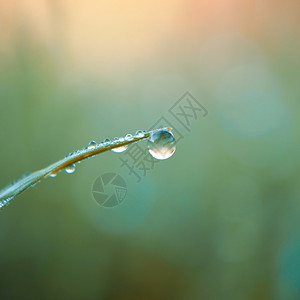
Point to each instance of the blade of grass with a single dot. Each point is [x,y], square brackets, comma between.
[15,188]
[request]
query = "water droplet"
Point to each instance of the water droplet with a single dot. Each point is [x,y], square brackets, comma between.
[70,169]
[139,134]
[161,144]
[120,149]
[92,145]
[52,175]
[106,142]
[128,137]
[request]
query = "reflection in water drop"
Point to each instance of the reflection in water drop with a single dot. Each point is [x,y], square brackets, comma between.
[128,137]
[120,149]
[106,142]
[70,169]
[92,145]
[139,134]
[53,175]
[161,144]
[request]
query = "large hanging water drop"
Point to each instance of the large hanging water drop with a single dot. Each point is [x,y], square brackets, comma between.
[70,169]
[161,144]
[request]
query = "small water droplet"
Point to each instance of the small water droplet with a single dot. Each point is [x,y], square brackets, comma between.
[53,175]
[106,142]
[161,144]
[139,134]
[120,149]
[70,169]
[92,145]
[128,137]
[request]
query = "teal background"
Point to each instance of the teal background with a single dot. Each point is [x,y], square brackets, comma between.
[219,219]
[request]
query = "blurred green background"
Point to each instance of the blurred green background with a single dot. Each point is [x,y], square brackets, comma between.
[220,219]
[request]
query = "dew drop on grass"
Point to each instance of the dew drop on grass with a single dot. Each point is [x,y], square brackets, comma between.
[139,134]
[128,137]
[120,149]
[53,175]
[92,145]
[106,142]
[161,144]
[70,169]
